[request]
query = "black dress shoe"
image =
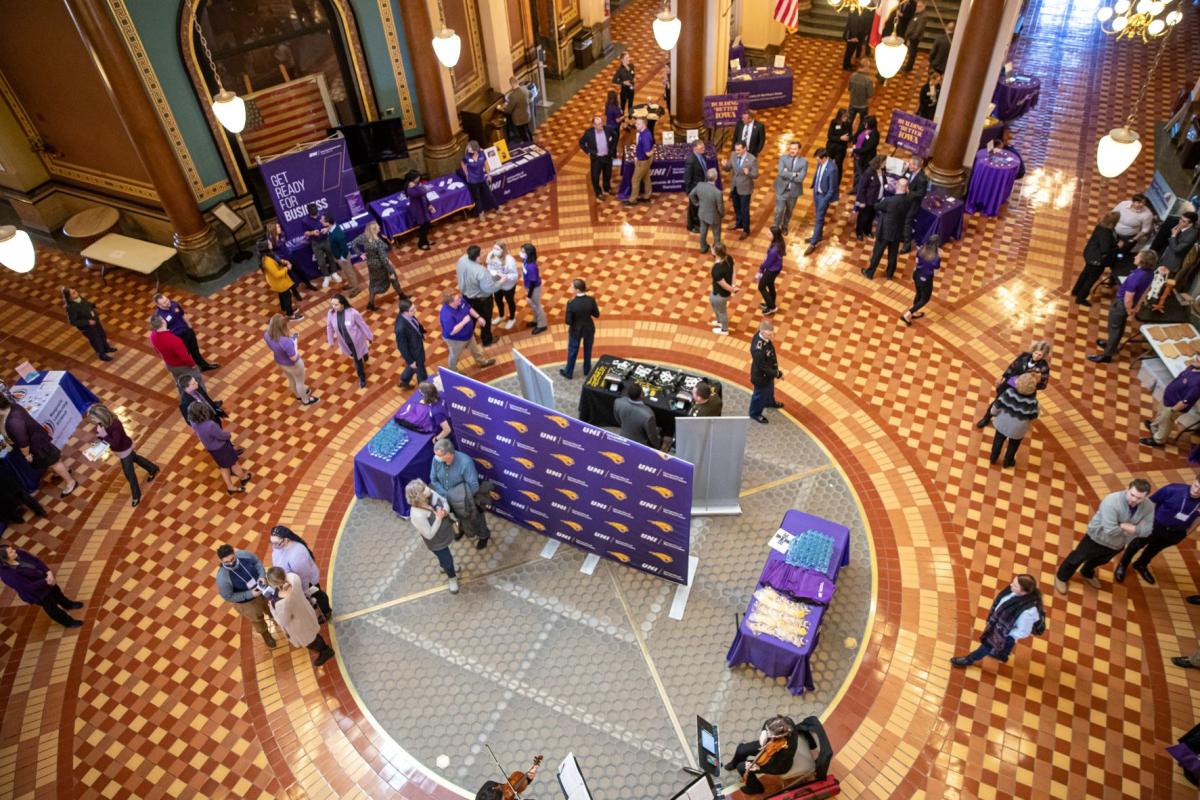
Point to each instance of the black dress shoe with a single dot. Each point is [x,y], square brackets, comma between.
[776,404]
[1145,574]
[110,349]
[1149,425]
[1099,359]
[209,367]
[482,543]
[563,372]
[1119,573]
[1101,342]
[1149,441]
[75,604]
[1083,303]
[105,357]
[760,419]
[1180,661]
[960,661]
[1194,599]
[868,275]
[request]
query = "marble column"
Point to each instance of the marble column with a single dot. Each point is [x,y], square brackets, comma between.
[688,81]
[199,250]
[443,149]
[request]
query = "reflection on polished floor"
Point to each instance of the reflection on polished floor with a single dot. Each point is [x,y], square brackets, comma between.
[164,691]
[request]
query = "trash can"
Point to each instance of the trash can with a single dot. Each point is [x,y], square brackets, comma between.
[582,44]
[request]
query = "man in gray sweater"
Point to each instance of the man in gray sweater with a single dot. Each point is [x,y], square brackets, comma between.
[1122,517]
[477,286]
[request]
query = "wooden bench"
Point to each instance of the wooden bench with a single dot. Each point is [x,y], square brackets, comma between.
[128,253]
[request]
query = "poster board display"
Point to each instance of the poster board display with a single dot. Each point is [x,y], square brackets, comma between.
[320,174]
[915,134]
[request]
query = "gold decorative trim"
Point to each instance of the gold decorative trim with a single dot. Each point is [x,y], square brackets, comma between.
[133,42]
[358,58]
[396,56]
[473,36]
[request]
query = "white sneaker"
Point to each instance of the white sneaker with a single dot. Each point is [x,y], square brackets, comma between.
[454,586]
[325,283]
[336,277]
[718,330]
[508,325]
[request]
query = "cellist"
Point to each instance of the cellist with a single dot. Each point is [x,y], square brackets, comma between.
[772,754]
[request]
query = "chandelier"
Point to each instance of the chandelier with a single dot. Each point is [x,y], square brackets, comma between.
[852,5]
[1144,19]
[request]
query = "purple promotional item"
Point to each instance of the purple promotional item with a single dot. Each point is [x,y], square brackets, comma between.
[574,482]
[1015,96]
[724,110]
[666,173]
[915,134]
[322,174]
[992,180]
[447,194]
[767,86]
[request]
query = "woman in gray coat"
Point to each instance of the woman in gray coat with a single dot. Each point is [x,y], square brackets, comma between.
[1012,413]
[430,515]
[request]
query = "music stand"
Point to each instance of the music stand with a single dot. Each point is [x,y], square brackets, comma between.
[233,222]
[699,788]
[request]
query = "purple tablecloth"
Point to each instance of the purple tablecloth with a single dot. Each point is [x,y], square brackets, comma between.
[298,251]
[992,179]
[993,129]
[529,168]
[941,215]
[392,211]
[775,657]
[385,480]
[1015,95]
[767,86]
[738,52]
[666,174]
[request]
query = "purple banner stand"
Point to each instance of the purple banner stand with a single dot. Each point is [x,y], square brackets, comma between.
[322,174]
[666,173]
[768,87]
[915,134]
[724,110]
[574,482]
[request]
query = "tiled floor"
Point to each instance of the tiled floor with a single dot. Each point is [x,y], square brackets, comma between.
[164,692]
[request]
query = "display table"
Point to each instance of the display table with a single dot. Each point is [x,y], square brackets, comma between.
[775,657]
[125,252]
[667,171]
[1015,95]
[56,399]
[386,479]
[447,194]
[607,380]
[992,179]
[807,583]
[938,214]
[298,251]
[767,86]
[528,169]
[1174,344]
[89,225]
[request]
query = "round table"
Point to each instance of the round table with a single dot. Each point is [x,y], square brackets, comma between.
[90,224]
[1015,96]
[992,179]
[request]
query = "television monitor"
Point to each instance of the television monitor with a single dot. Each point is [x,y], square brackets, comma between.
[372,142]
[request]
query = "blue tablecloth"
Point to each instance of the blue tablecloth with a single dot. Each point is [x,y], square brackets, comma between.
[385,480]
[767,86]
[298,251]
[992,179]
[775,657]
[666,174]
[392,211]
[1015,95]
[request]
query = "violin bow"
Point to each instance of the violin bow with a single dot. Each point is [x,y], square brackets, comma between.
[503,772]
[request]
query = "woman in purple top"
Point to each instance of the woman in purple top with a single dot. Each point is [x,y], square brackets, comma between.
[282,343]
[109,430]
[219,445]
[772,265]
[531,276]
[475,168]
[458,329]
[613,114]
[291,553]
[345,328]
[35,584]
[420,212]
[928,262]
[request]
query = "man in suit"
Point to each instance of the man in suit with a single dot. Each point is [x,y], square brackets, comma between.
[825,191]
[581,310]
[743,169]
[1183,239]
[891,212]
[636,418]
[693,173]
[751,133]
[516,100]
[789,185]
[939,52]
[410,341]
[600,144]
[710,208]
[913,34]
[918,187]
[856,35]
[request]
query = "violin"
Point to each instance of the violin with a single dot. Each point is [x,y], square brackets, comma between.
[519,781]
[768,752]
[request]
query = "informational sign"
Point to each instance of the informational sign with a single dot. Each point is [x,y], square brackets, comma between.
[497,154]
[693,134]
[911,132]
[724,110]
[708,746]
[780,61]
[668,137]
[574,482]
[321,175]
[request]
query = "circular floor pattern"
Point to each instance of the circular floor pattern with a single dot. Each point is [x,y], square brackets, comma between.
[534,657]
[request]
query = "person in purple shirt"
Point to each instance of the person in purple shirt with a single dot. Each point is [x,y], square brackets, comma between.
[1178,398]
[928,262]
[35,584]
[420,211]
[476,169]
[644,159]
[1126,304]
[282,343]
[532,278]
[291,553]
[1176,507]
[220,446]
[172,314]
[772,265]
[458,329]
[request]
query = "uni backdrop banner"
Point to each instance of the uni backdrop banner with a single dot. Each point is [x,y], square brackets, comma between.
[322,174]
[575,482]
[915,134]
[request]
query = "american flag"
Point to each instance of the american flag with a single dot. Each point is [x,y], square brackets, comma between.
[882,12]
[788,12]
[283,116]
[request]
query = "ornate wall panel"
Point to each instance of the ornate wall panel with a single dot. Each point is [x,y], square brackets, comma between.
[470,74]
[520,30]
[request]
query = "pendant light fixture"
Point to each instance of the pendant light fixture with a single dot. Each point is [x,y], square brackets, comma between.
[666,27]
[889,55]
[447,45]
[16,249]
[1120,147]
[229,109]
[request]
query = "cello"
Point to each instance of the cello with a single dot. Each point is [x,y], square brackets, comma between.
[518,782]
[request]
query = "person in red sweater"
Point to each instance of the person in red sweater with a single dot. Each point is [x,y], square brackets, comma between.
[172,350]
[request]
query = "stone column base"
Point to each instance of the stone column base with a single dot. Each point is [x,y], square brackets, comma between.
[444,159]
[201,255]
[954,181]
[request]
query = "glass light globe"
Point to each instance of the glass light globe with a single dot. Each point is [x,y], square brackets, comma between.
[447,45]
[1116,151]
[1156,27]
[1121,6]
[1119,24]
[1143,6]
[890,55]
[16,249]
[230,111]
[1156,7]
[1104,14]
[1174,17]
[666,30]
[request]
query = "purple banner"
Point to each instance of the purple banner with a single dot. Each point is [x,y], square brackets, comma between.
[321,174]
[915,134]
[575,482]
[724,110]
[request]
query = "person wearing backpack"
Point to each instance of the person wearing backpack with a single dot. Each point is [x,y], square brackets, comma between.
[1015,614]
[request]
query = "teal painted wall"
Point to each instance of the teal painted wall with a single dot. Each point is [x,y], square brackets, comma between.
[379,64]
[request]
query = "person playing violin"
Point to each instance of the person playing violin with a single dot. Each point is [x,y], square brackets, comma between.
[517,782]
[772,754]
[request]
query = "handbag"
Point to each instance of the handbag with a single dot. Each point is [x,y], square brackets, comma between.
[416,417]
[483,495]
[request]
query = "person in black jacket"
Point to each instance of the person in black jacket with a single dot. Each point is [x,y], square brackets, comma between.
[939,52]
[1098,255]
[928,101]
[764,369]
[1035,360]
[595,139]
[857,34]
[867,194]
[913,34]
[695,172]
[892,212]
[866,145]
[837,139]
[624,77]
[192,391]
[918,187]
[750,132]
[410,341]
[751,759]
[581,310]
[83,316]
